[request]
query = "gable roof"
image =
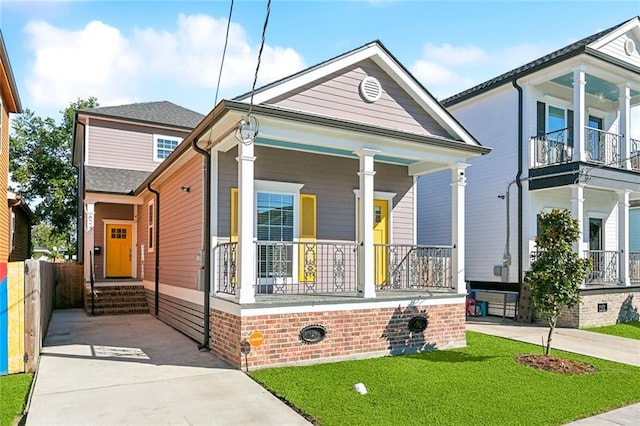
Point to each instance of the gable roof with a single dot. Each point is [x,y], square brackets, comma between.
[161,112]
[579,47]
[8,85]
[112,181]
[383,58]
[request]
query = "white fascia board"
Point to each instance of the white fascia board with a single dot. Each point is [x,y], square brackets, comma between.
[310,76]
[355,141]
[96,197]
[615,34]
[427,167]
[428,103]
[135,122]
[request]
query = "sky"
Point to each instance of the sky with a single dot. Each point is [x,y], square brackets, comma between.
[138,51]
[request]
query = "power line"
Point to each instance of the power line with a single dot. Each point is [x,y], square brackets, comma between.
[264,32]
[224,52]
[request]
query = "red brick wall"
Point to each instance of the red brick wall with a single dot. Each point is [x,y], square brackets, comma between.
[352,333]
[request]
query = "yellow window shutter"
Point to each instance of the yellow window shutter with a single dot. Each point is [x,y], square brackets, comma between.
[234,215]
[307,255]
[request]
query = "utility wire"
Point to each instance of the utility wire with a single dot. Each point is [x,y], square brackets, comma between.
[255,78]
[224,52]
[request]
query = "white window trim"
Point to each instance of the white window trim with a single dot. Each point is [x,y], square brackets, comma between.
[13,230]
[151,245]
[155,144]
[283,188]
[594,214]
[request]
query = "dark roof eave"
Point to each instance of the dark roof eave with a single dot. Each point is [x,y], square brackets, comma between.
[13,87]
[134,120]
[131,193]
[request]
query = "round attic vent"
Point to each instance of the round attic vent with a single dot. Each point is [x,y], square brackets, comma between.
[629,47]
[370,89]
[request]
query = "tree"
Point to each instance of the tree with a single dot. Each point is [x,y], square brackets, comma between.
[40,164]
[558,271]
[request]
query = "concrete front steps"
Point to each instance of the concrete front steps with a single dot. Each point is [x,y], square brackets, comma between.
[116,299]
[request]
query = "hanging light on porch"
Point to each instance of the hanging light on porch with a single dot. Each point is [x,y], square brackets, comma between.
[247,129]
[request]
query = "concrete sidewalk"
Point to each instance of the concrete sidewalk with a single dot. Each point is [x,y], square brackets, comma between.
[612,348]
[134,369]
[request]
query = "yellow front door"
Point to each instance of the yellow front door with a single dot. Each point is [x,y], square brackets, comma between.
[381,236]
[118,252]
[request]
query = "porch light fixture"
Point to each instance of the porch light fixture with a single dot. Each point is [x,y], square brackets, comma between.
[313,334]
[247,129]
[418,324]
[185,189]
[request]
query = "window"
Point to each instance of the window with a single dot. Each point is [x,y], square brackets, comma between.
[13,230]
[163,146]
[151,225]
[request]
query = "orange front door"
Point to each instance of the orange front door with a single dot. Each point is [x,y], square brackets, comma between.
[118,251]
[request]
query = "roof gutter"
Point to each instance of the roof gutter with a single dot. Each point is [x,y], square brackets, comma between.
[207,244]
[157,250]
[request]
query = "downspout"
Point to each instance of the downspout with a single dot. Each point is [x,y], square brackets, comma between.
[157,250]
[207,243]
[519,181]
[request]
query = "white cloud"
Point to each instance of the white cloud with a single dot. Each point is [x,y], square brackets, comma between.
[98,60]
[447,69]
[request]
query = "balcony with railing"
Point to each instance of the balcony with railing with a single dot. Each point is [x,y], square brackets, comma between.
[635,155]
[556,147]
[331,267]
[634,267]
[605,266]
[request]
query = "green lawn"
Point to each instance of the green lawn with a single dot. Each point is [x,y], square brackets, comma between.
[14,390]
[479,384]
[630,330]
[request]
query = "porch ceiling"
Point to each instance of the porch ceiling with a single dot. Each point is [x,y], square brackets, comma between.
[595,86]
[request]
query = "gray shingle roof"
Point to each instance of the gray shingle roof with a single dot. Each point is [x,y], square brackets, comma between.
[161,112]
[113,181]
[565,52]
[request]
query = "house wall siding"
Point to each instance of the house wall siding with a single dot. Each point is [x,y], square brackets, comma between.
[107,211]
[493,120]
[371,332]
[332,180]
[338,95]
[122,145]
[4,181]
[615,48]
[181,225]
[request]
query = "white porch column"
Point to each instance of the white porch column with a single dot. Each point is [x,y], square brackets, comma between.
[625,126]
[623,235]
[246,263]
[458,182]
[579,146]
[366,260]
[90,215]
[213,211]
[577,211]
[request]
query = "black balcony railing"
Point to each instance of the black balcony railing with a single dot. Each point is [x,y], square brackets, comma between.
[635,154]
[602,147]
[551,148]
[403,266]
[605,267]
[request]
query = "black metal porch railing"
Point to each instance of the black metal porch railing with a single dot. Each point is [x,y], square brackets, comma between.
[551,148]
[602,147]
[634,156]
[286,267]
[634,267]
[404,266]
[605,266]
[225,255]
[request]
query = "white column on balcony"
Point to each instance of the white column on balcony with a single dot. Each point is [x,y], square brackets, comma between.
[577,211]
[246,213]
[623,235]
[366,260]
[90,214]
[625,126]
[458,183]
[579,83]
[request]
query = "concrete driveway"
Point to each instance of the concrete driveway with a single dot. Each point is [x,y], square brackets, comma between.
[134,369]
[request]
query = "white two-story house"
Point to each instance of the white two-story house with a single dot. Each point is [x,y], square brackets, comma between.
[561,130]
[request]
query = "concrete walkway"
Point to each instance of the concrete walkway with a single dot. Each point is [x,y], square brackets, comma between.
[612,348]
[135,369]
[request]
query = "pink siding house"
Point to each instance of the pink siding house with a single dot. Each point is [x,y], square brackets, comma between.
[283,231]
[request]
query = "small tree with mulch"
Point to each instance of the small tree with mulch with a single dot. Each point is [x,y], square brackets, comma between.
[557,271]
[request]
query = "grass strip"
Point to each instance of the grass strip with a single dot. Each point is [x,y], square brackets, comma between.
[630,330]
[479,384]
[14,390]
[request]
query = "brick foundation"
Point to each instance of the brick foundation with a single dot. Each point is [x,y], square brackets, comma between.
[350,334]
[623,305]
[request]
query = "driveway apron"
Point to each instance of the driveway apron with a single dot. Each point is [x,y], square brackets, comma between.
[134,369]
